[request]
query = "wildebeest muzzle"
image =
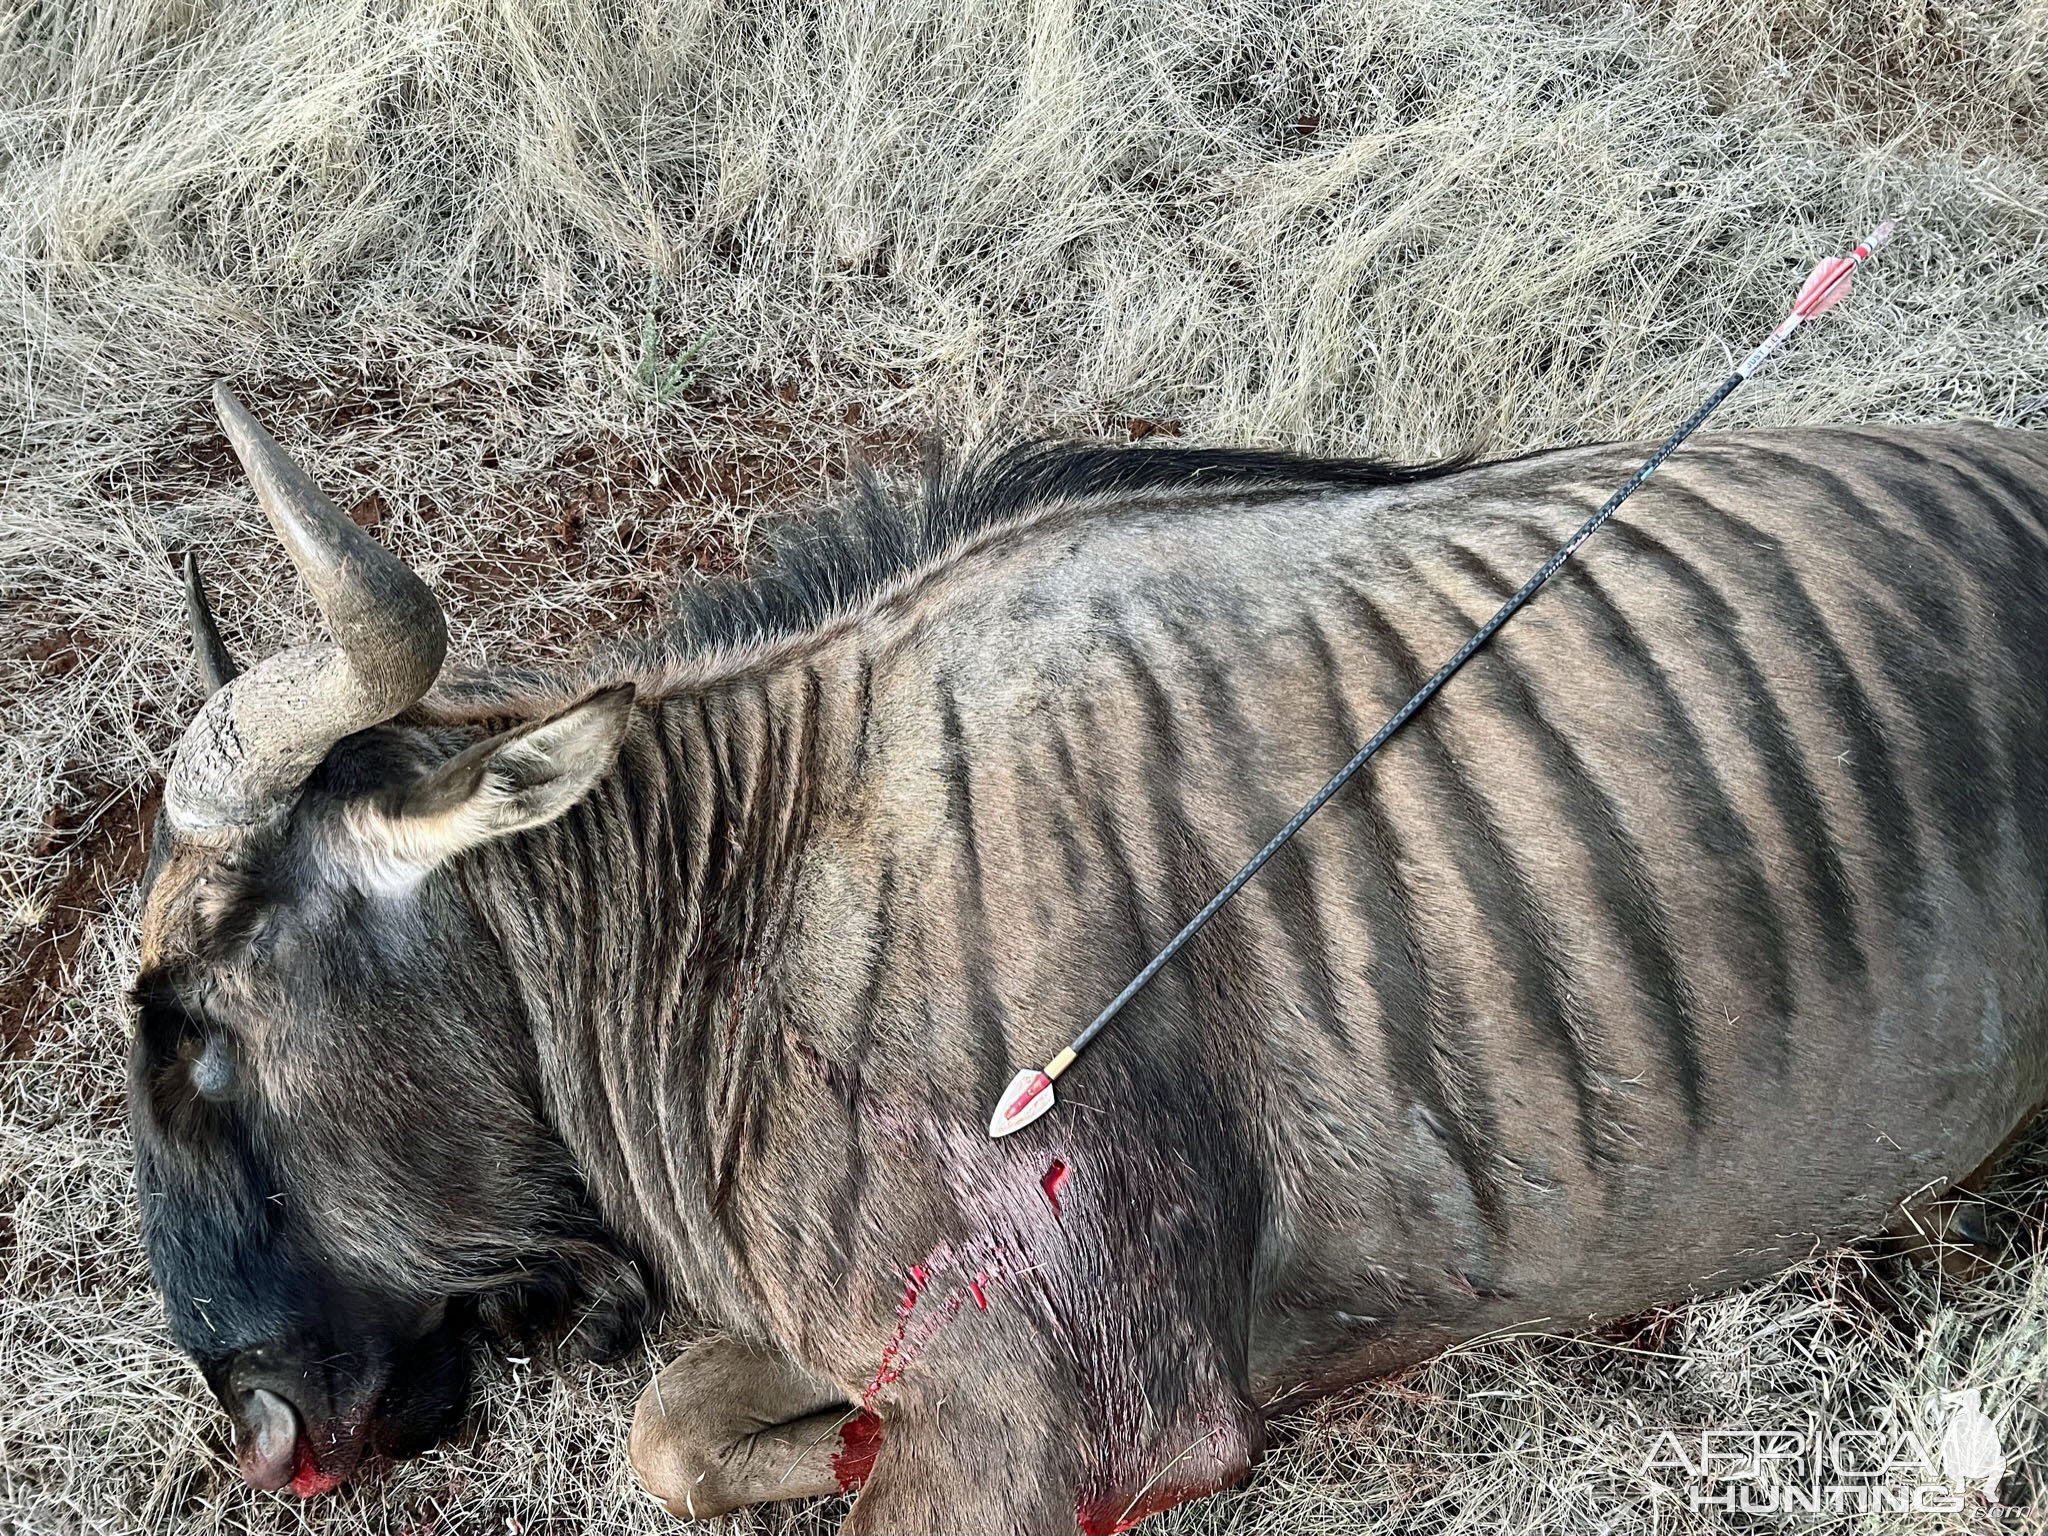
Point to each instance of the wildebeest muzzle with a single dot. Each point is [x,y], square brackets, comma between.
[309,1411]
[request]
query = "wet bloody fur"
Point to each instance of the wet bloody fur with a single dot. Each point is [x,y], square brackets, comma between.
[307,1480]
[1055,1176]
[860,1442]
[860,1438]
[1102,1518]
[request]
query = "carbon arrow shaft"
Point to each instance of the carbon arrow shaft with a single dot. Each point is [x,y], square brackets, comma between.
[1030,1093]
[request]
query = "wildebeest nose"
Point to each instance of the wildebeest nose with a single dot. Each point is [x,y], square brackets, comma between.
[266,1439]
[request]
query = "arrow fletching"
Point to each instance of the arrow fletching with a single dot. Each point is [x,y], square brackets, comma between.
[1825,287]
[1828,284]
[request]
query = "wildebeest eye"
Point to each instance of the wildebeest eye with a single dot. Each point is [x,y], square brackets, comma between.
[180,1055]
[213,1069]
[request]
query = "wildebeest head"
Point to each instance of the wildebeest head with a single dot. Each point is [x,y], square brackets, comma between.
[342,1152]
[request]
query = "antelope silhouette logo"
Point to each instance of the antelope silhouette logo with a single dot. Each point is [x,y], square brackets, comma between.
[1970,1452]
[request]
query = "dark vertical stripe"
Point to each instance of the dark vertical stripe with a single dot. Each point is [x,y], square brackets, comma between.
[1124,879]
[2020,621]
[1292,907]
[881,958]
[985,1008]
[1418,1037]
[1494,883]
[1516,922]
[1284,890]
[1044,810]
[865,710]
[958,774]
[1881,794]
[1790,784]
[844,1209]
[717,840]
[669,794]
[2009,495]
[1620,876]
[1417,1019]
[801,763]
[1774,476]
[1937,482]
[1755,944]
[1961,778]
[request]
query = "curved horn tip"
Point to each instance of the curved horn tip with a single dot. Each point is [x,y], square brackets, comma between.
[253,745]
[210,658]
[245,433]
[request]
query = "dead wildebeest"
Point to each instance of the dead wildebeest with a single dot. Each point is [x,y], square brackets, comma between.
[1703,918]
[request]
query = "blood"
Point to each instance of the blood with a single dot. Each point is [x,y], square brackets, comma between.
[860,1441]
[1038,1083]
[1104,1517]
[890,1366]
[1103,1512]
[904,1345]
[1054,1177]
[308,1481]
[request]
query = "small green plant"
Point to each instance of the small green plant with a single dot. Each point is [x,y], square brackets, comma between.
[662,375]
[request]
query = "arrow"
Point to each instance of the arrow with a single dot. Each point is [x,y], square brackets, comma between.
[1825,287]
[1030,1094]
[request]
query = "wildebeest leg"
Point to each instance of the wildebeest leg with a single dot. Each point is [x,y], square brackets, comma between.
[1949,1228]
[992,1443]
[952,1467]
[726,1425]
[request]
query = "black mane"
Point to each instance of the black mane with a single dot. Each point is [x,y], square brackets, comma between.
[825,564]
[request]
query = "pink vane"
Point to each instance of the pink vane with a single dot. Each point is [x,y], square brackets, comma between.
[1825,287]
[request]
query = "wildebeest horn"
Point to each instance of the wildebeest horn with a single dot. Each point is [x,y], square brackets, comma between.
[257,739]
[210,658]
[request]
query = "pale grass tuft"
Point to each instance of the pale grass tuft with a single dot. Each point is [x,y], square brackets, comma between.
[565,295]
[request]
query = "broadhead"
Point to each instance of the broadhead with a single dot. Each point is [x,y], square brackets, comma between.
[1028,1096]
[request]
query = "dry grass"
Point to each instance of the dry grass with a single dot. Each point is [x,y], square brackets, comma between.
[565,295]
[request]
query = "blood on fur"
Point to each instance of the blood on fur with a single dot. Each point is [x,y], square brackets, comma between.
[904,1344]
[860,1442]
[307,1480]
[1054,1177]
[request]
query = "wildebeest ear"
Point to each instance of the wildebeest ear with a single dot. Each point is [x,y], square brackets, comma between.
[522,778]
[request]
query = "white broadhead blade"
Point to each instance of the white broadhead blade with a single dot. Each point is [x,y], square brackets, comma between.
[1028,1096]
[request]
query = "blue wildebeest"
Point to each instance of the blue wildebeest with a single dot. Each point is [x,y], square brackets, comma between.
[1703,918]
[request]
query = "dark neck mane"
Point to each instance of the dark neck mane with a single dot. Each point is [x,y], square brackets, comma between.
[827,565]
[838,562]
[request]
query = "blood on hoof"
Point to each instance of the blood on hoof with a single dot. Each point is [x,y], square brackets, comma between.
[860,1441]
